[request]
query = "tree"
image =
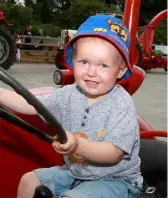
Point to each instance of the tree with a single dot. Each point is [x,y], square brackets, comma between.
[8,2]
[161,34]
[80,10]
[61,5]
[29,3]
[111,1]
[148,9]
[11,1]
[18,15]
[44,11]
[53,15]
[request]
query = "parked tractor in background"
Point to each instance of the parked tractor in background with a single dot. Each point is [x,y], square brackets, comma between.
[66,35]
[152,60]
[7,44]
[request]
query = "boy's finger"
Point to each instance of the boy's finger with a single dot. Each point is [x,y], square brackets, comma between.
[56,138]
[65,147]
[56,147]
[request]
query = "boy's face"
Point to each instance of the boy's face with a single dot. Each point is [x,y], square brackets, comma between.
[97,65]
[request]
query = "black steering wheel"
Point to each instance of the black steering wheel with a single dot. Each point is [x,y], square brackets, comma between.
[32,100]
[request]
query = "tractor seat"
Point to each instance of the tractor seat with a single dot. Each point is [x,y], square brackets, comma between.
[153,154]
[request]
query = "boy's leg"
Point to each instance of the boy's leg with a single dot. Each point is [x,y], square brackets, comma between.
[57,179]
[27,185]
[106,189]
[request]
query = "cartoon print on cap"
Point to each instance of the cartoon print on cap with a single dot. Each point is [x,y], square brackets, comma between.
[100,30]
[118,29]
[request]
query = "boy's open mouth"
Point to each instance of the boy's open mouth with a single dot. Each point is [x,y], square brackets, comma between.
[91,84]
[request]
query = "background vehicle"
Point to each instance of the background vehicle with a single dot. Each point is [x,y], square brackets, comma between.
[150,59]
[7,44]
[66,35]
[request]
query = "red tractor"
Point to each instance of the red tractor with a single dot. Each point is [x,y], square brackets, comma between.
[25,140]
[150,59]
[7,44]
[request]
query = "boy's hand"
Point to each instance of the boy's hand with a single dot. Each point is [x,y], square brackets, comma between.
[67,148]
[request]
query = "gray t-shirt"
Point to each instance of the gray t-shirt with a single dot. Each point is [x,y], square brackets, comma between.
[112,119]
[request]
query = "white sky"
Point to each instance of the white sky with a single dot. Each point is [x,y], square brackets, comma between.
[20,1]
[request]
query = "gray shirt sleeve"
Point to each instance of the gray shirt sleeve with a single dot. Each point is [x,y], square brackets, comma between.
[123,127]
[53,103]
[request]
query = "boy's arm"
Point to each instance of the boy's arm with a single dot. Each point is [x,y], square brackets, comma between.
[93,151]
[99,152]
[15,102]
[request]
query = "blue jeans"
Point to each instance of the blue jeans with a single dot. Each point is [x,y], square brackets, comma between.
[59,181]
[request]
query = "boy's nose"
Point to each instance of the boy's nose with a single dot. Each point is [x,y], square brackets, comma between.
[91,70]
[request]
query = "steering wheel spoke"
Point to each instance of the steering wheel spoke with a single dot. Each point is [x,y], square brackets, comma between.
[6,115]
[32,100]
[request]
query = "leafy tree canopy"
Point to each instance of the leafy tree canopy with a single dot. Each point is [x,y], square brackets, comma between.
[69,14]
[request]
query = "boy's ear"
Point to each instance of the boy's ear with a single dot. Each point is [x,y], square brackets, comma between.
[122,72]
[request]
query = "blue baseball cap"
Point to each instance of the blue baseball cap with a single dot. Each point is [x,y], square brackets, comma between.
[106,27]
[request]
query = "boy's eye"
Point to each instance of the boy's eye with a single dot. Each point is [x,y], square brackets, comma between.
[83,62]
[104,66]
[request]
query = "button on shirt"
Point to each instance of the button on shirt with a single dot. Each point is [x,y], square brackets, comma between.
[111,119]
